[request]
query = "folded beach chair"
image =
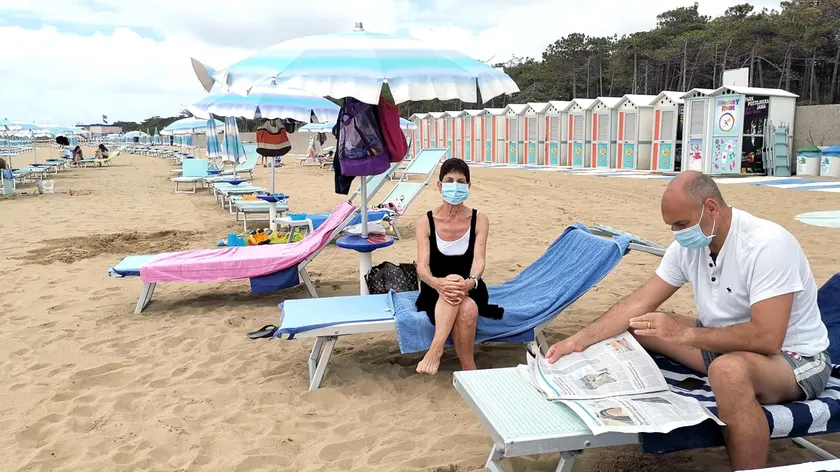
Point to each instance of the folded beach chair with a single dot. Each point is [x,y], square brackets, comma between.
[270,267]
[194,172]
[405,191]
[522,422]
[573,264]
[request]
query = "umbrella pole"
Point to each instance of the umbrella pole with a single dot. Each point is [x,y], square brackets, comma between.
[272,212]
[365,258]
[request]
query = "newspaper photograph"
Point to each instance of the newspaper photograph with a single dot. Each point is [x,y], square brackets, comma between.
[659,412]
[616,366]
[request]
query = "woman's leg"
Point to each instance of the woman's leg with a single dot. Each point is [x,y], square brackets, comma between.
[463,333]
[445,315]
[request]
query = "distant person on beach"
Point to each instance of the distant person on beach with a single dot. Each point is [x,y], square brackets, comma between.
[77,155]
[759,337]
[102,152]
[451,251]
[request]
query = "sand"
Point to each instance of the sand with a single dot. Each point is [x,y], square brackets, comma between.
[87,385]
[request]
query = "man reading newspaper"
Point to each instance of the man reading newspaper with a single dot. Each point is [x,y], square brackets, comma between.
[759,337]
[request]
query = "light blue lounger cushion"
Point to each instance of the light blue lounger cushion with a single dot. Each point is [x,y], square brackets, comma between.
[130,266]
[313,313]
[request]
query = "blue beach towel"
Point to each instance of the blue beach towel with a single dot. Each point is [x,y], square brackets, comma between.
[797,419]
[572,265]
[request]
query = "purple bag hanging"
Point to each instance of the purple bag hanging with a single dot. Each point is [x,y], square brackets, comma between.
[361,148]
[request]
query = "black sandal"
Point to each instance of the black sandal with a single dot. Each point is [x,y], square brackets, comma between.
[266,331]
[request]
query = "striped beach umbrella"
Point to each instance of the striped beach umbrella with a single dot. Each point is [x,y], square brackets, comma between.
[188,126]
[214,149]
[234,151]
[357,63]
[268,102]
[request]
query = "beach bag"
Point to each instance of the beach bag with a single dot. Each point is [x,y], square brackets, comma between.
[389,276]
[361,149]
[389,125]
[272,140]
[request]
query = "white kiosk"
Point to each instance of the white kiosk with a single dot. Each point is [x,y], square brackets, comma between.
[696,110]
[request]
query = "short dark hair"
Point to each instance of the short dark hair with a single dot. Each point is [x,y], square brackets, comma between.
[701,188]
[454,165]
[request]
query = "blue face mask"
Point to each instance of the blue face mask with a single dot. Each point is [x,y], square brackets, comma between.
[455,193]
[694,237]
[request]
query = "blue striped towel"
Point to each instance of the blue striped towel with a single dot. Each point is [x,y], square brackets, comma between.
[572,265]
[797,419]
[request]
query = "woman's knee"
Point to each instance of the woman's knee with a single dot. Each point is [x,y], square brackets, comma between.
[468,311]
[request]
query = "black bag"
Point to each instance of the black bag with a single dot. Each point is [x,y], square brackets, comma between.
[389,276]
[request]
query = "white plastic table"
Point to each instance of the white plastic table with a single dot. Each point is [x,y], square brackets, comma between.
[304,224]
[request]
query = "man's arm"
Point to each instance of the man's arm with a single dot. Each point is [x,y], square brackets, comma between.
[764,334]
[645,299]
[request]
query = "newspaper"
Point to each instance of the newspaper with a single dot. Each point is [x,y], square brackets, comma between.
[617,366]
[615,386]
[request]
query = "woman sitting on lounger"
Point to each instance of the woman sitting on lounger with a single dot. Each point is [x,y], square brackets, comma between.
[451,248]
[102,152]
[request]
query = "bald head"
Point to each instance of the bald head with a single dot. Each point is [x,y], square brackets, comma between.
[694,188]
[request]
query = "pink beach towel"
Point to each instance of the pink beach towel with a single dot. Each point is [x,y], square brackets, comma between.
[206,265]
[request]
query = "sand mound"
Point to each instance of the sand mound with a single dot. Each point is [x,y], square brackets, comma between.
[70,250]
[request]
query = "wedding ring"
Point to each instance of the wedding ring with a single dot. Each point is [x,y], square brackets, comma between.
[648,324]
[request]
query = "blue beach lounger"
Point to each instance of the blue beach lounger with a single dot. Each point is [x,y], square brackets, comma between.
[572,265]
[521,422]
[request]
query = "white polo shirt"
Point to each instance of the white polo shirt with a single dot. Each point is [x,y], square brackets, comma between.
[759,260]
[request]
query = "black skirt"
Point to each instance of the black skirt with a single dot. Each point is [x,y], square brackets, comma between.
[428,298]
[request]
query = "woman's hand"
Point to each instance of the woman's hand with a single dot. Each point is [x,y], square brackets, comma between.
[452,289]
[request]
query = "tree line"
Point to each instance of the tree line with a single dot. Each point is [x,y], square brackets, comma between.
[795,48]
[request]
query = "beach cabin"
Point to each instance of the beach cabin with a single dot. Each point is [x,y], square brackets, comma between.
[580,133]
[635,131]
[515,133]
[696,115]
[455,133]
[604,132]
[556,133]
[742,126]
[536,138]
[420,136]
[495,135]
[437,138]
[472,140]
[667,132]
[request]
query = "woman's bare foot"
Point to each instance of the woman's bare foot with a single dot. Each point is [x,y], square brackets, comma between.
[431,362]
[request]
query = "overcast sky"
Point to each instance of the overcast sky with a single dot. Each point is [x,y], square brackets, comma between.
[68,61]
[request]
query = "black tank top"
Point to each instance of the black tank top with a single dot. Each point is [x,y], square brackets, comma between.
[442,265]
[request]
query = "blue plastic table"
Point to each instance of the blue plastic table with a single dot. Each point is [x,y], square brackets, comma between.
[364,247]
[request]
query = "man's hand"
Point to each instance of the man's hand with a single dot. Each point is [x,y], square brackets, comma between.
[662,326]
[561,348]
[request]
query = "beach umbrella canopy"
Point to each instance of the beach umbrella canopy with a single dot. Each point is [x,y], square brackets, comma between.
[214,149]
[134,134]
[189,126]
[268,102]
[357,63]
